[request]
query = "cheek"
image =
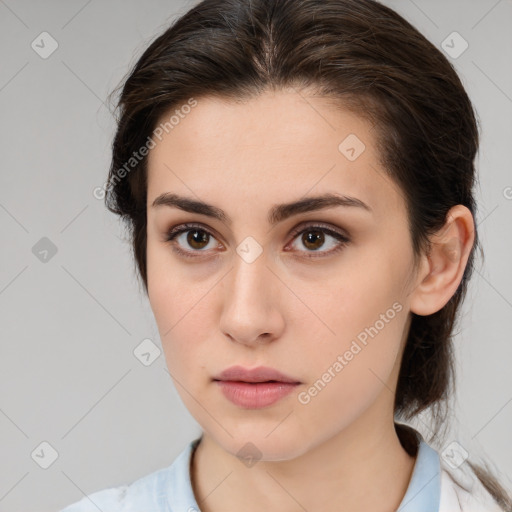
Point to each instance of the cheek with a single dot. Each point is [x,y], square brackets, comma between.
[347,376]
[357,297]
[367,335]
[182,312]
[350,363]
[175,289]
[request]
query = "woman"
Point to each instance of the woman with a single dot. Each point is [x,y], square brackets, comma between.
[297,177]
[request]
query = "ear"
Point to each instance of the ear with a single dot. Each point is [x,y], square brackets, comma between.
[441,270]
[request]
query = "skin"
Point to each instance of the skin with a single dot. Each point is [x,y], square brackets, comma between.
[286,311]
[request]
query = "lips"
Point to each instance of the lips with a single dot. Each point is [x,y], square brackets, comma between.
[259,374]
[254,388]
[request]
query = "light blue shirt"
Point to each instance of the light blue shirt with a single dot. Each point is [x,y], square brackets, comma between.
[170,489]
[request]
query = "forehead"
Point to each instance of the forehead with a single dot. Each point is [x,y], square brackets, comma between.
[277,143]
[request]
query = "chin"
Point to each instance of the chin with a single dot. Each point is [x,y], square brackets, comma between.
[256,444]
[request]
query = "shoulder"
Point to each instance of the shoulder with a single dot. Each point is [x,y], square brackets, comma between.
[462,491]
[460,488]
[107,499]
[149,493]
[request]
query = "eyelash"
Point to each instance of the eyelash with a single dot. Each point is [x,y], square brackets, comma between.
[184,228]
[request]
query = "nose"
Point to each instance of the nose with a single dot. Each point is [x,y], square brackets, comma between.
[251,310]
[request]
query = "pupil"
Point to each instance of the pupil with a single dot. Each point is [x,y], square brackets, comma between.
[197,237]
[311,237]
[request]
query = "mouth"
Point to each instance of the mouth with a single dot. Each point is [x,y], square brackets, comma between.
[254,388]
[255,375]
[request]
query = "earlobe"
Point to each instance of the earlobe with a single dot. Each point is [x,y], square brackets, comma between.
[442,268]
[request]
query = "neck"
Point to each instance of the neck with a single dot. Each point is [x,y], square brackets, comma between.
[358,469]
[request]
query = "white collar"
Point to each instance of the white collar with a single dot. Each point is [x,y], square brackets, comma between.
[462,491]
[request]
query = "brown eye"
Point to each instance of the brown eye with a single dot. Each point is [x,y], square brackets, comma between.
[318,237]
[191,240]
[313,239]
[197,238]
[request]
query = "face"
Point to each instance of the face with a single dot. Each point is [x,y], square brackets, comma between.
[318,292]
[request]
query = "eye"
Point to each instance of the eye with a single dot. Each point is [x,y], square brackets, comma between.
[314,237]
[193,235]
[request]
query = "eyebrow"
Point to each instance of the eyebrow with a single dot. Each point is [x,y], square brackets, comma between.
[277,213]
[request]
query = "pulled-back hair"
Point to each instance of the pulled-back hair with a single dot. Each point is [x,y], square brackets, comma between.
[367,58]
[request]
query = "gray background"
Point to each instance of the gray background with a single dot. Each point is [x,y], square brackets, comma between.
[68,375]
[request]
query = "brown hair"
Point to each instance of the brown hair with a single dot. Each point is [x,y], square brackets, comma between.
[366,57]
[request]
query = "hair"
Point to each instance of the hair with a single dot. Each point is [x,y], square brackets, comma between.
[365,57]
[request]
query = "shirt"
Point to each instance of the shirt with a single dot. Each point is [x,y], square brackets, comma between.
[433,487]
